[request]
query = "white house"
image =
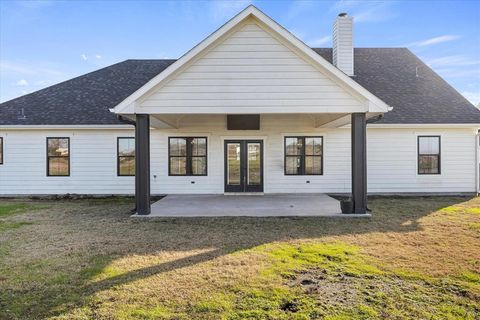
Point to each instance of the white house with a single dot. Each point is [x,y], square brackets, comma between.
[249,109]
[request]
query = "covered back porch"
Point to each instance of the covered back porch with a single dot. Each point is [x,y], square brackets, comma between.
[318,203]
[253,66]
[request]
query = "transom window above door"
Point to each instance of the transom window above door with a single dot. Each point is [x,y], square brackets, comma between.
[187,156]
[303,155]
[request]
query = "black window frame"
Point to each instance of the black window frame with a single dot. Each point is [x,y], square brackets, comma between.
[188,156]
[302,157]
[118,157]
[1,150]
[49,157]
[439,155]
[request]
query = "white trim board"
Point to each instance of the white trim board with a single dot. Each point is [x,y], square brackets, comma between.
[68,127]
[423,125]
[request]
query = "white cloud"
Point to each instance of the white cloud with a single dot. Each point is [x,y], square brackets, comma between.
[22,83]
[40,83]
[35,4]
[452,61]
[298,7]
[14,75]
[14,67]
[435,40]
[297,33]
[473,97]
[320,41]
[366,11]
[98,56]
[224,10]
[459,73]
[26,69]
[84,57]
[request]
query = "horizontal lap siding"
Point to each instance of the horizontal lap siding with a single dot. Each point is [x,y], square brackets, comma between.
[251,68]
[273,129]
[93,166]
[392,159]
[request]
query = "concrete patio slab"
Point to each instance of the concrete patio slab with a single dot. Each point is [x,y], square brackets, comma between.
[272,205]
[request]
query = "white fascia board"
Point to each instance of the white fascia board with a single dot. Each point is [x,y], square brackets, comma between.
[68,127]
[128,105]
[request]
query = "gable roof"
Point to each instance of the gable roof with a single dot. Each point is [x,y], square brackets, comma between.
[373,103]
[389,73]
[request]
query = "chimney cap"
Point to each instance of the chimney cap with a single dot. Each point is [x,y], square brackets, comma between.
[342,14]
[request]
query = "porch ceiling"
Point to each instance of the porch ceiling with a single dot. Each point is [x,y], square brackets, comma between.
[318,120]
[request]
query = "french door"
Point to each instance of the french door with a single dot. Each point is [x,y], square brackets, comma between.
[243,166]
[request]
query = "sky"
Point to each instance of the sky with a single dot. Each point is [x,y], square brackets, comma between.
[45,42]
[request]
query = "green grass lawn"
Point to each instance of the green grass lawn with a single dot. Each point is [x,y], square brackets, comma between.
[416,258]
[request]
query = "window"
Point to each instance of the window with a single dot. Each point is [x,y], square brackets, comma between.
[303,155]
[58,156]
[1,150]
[187,156]
[429,155]
[126,156]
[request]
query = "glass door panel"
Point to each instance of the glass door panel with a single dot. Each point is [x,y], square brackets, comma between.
[233,163]
[253,164]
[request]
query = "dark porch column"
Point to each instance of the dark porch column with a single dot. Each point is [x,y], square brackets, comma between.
[359,162]
[142,163]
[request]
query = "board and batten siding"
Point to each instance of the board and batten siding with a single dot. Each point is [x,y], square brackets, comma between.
[392,159]
[250,71]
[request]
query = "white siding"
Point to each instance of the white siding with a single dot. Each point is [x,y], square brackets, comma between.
[93,166]
[250,71]
[392,159]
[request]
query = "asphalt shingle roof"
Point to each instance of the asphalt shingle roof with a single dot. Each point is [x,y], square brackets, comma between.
[84,100]
[395,75]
